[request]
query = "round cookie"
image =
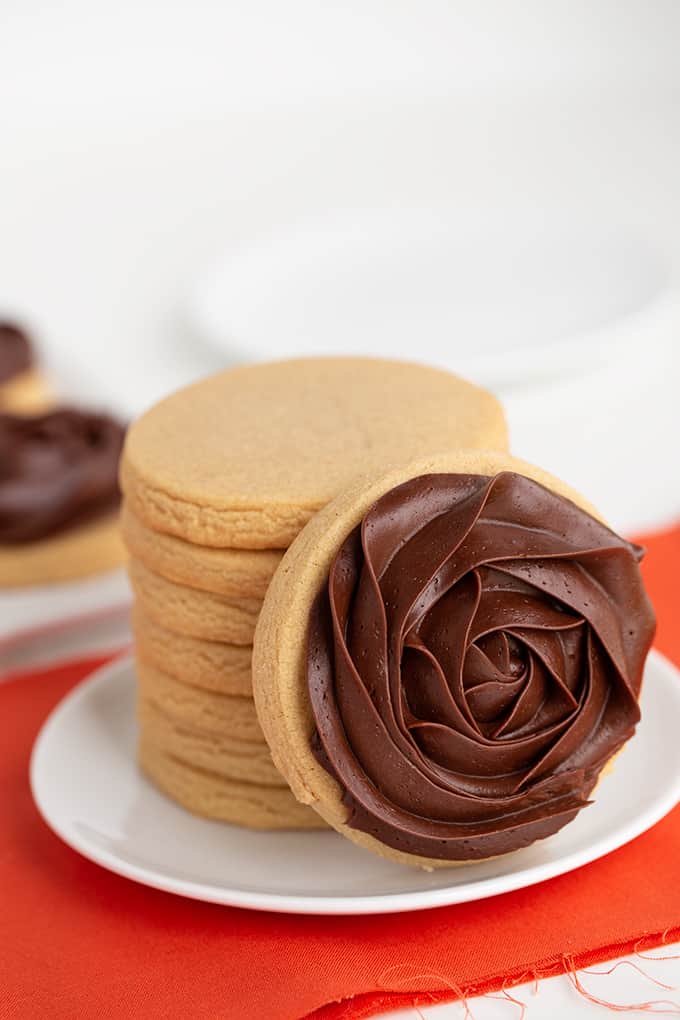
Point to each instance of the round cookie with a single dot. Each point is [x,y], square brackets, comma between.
[235,573]
[190,611]
[212,665]
[244,761]
[244,458]
[79,552]
[226,800]
[283,692]
[223,715]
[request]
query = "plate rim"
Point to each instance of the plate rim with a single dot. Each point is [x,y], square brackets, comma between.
[375,903]
[520,362]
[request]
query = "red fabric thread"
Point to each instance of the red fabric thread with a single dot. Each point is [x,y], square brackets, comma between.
[76,941]
[659,1007]
[633,966]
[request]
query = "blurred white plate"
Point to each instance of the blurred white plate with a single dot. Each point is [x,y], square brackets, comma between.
[89,791]
[43,622]
[500,300]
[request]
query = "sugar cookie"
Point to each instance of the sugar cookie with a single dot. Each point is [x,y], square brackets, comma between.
[244,458]
[448,656]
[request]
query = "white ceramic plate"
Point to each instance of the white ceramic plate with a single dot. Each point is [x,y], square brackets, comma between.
[89,790]
[45,623]
[26,609]
[502,298]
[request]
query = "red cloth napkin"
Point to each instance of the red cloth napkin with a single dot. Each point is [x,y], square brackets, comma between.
[76,941]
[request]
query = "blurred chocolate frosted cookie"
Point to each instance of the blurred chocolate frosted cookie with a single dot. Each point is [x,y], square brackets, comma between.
[59,496]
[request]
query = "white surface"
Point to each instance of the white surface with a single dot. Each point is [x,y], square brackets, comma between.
[501,299]
[100,253]
[88,744]
[179,54]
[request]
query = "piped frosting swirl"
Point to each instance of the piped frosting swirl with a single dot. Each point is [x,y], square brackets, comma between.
[473,662]
[56,470]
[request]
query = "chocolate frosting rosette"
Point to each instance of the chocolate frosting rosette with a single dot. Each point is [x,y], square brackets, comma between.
[467,654]
[57,470]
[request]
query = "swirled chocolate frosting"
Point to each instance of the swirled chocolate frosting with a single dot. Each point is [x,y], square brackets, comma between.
[15,351]
[473,662]
[56,470]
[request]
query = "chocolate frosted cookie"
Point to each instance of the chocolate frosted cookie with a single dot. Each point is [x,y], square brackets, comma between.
[448,657]
[58,495]
[22,388]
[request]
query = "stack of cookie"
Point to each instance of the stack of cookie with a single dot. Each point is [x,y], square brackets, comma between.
[194,618]
[218,480]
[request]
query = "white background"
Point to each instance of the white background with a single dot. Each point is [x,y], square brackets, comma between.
[138,141]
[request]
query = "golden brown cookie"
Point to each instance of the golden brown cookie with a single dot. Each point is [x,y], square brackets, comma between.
[242,760]
[80,551]
[227,800]
[225,715]
[243,459]
[515,633]
[190,611]
[26,393]
[236,573]
[213,665]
